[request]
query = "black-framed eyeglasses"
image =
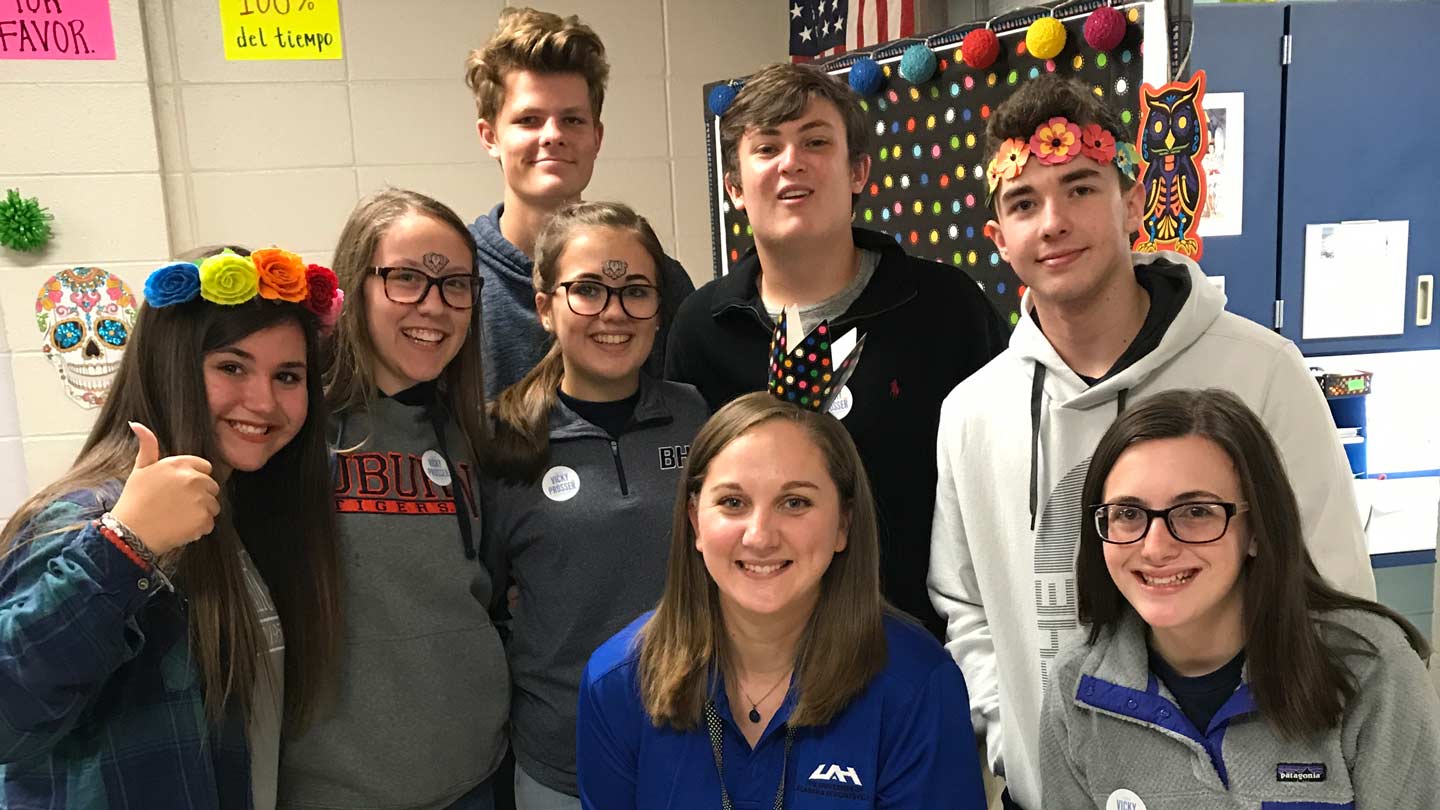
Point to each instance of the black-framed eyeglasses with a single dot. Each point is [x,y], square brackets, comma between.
[1193,522]
[585,297]
[406,285]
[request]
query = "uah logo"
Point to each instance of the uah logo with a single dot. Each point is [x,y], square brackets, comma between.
[835,773]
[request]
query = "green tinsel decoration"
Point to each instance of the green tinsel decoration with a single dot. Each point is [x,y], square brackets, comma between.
[24,224]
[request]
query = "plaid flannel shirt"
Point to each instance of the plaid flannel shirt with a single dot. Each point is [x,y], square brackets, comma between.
[100,700]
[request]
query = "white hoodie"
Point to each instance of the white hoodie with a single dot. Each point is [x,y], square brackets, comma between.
[1008,512]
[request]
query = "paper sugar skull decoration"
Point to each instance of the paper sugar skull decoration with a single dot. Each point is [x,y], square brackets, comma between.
[1173,136]
[86,315]
[810,369]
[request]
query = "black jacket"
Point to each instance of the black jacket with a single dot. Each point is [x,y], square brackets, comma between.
[927,327]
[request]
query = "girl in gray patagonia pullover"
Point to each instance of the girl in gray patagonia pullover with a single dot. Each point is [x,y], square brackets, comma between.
[585,463]
[1220,671]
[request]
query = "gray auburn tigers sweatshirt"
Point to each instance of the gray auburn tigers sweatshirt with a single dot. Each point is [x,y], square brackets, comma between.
[424,690]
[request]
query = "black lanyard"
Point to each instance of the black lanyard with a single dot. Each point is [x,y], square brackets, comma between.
[717,745]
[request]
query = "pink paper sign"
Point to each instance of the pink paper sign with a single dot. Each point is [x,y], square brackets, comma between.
[56,29]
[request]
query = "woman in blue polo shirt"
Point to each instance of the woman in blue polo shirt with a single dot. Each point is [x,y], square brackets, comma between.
[1220,670]
[771,673]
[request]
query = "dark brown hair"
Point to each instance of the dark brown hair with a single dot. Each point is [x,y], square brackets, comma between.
[540,42]
[1299,680]
[520,448]
[842,648]
[350,371]
[1048,96]
[780,93]
[282,514]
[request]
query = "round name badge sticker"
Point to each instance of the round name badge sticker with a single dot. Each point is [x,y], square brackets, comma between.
[560,483]
[1123,799]
[435,467]
[840,408]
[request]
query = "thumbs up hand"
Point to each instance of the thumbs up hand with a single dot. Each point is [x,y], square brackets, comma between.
[167,502]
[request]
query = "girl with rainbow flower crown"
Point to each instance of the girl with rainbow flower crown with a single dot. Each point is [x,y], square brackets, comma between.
[420,717]
[171,601]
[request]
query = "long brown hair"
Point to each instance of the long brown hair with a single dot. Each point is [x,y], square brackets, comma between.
[282,515]
[520,449]
[843,646]
[1299,680]
[350,372]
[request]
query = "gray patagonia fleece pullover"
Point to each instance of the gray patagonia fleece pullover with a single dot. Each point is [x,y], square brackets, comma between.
[1114,737]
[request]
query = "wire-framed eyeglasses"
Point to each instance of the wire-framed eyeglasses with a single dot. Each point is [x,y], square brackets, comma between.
[1192,522]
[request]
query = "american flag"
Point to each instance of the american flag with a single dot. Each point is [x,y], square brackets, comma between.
[824,28]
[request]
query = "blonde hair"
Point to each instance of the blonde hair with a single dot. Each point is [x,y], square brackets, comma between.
[843,646]
[540,42]
[520,450]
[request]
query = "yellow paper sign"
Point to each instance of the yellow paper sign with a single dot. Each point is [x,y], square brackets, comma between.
[281,29]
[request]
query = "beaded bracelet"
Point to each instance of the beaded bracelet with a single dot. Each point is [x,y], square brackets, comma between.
[124,539]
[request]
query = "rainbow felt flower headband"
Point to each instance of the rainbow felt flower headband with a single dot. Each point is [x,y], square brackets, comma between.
[228,278]
[1059,141]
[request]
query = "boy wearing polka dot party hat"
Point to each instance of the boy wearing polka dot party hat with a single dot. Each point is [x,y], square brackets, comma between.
[794,148]
[1100,327]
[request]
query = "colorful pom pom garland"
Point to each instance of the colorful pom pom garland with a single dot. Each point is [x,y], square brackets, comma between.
[917,64]
[1045,38]
[866,77]
[720,98]
[980,48]
[1105,29]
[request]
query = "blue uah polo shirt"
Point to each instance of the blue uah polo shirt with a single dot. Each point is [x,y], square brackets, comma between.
[904,742]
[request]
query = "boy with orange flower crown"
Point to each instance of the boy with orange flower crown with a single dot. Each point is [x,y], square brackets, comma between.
[1104,327]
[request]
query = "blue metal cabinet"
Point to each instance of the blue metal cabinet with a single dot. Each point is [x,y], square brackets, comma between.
[1239,48]
[1361,104]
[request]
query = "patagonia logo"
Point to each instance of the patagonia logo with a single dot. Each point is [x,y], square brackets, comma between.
[1300,772]
[835,773]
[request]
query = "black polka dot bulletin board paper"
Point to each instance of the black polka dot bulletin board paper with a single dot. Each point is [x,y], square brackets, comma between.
[927,141]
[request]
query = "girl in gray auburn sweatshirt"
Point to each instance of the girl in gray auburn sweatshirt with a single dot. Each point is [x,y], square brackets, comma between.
[1220,671]
[582,477]
[418,719]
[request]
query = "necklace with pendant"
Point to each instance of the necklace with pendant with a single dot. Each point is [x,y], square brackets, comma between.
[754,714]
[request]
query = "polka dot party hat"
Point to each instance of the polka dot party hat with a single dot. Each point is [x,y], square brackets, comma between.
[810,369]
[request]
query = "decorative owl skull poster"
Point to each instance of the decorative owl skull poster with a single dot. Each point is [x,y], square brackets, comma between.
[86,315]
[1173,137]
